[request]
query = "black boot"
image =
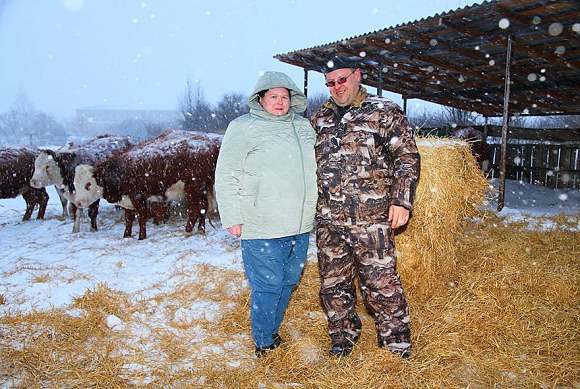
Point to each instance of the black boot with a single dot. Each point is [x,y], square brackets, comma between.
[277,339]
[341,349]
[262,351]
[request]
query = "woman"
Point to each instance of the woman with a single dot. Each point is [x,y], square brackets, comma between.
[266,193]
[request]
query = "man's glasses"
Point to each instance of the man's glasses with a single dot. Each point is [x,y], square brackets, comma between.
[340,81]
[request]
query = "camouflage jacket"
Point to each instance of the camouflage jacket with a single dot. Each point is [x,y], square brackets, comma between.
[366,161]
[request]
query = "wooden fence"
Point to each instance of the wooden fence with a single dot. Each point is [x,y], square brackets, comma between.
[553,166]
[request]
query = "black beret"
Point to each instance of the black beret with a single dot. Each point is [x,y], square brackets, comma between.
[341,62]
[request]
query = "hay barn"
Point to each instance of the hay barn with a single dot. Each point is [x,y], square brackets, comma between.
[498,58]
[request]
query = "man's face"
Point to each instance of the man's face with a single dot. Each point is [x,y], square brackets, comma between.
[343,94]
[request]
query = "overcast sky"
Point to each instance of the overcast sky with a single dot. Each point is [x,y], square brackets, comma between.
[69,54]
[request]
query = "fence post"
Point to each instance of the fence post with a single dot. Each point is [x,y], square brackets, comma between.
[306,83]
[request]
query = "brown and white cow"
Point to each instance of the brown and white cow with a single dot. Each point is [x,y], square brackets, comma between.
[16,168]
[177,165]
[58,168]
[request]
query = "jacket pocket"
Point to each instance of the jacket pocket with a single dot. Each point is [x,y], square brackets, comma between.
[250,189]
[370,189]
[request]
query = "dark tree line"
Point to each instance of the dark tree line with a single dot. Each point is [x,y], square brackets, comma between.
[23,124]
[444,121]
[196,114]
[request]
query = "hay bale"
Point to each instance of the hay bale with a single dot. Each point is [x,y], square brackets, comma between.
[452,188]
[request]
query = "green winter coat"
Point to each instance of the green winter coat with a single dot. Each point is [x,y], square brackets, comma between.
[266,169]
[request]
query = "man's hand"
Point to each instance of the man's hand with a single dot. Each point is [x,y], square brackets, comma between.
[398,216]
[235,230]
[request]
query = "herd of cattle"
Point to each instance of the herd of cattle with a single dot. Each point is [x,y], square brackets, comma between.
[142,178]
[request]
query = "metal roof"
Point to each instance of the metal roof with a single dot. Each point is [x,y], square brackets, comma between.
[458,58]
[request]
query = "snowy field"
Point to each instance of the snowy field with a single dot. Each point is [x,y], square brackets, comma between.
[167,294]
[44,265]
[40,250]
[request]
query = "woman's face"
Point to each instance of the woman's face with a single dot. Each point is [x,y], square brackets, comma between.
[276,101]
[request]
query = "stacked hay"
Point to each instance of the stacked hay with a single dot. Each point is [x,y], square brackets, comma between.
[451,189]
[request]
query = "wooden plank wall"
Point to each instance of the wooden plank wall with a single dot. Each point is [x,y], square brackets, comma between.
[553,166]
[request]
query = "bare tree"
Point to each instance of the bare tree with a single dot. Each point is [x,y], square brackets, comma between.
[45,127]
[428,122]
[229,107]
[10,123]
[564,121]
[459,117]
[155,129]
[186,106]
[515,121]
[18,121]
[315,101]
[196,113]
[519,121]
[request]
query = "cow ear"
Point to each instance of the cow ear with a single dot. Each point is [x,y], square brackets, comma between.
[97,173]
[66,157]
[114,177]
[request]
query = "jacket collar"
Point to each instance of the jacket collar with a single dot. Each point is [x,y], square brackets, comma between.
[259,111]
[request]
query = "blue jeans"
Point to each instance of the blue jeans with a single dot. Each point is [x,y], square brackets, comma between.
[273,267]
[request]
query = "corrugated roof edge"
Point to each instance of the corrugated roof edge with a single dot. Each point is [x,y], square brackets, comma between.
[469,7]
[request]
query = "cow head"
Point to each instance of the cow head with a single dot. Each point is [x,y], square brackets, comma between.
[46,171]
[86,187]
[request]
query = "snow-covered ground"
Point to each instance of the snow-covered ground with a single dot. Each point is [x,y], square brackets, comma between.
[525,202]
[45,265]
[528,199]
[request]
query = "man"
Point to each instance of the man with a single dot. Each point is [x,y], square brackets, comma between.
[368,168]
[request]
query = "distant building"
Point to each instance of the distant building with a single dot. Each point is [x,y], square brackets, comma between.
[102,119]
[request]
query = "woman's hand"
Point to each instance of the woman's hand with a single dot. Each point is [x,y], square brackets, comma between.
[235,230]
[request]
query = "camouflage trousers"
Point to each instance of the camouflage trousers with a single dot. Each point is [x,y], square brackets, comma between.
[369,253]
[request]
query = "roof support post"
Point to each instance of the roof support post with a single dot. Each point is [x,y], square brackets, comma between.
[380,74]
[306,82]
[504,130]
[485,129]
[405,106]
